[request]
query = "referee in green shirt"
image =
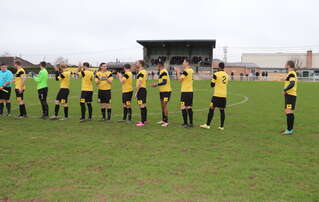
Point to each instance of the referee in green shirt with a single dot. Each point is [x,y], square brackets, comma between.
[42,86]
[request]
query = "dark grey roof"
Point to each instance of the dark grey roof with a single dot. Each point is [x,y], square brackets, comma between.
[10,61]
[211,42]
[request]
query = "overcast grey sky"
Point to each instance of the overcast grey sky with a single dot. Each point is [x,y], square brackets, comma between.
[97,30]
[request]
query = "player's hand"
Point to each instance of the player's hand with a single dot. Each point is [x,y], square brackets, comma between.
[80,66]
[154,85]
[283,92]
[1,88]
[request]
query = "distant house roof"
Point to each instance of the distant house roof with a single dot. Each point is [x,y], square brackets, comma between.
[10,61]
[242,64]
[118,65]
[185,42]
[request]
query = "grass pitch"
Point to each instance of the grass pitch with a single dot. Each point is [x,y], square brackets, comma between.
[95,161]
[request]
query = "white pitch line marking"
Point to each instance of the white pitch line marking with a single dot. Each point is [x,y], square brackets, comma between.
[245,99]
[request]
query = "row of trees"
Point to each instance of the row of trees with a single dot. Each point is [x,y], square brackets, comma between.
[63,60]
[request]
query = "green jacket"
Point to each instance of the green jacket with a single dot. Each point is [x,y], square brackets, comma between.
[42,79]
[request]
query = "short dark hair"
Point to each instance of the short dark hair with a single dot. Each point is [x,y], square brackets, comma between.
[291,64]
[18,63]
[3,64]
[127,66]
[221,65]
[86,64]
[103,63]
[43,64]
[141,62]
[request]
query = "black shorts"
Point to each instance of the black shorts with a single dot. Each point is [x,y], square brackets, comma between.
[63,95]
[141,96]
[104,96]
[43,94]
[19,96]
[86,96]
[127,98]
[290,102]
[187,99]
[5,95]
[165,96]
[219,102]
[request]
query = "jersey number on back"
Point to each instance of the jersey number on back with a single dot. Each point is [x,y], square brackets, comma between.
[224,79]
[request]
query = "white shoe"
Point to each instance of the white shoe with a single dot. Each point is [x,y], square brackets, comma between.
[54,118]
[160,122]
[165,124]
[205,126]
[220,128]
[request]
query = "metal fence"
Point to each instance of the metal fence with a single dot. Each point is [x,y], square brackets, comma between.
[271,78]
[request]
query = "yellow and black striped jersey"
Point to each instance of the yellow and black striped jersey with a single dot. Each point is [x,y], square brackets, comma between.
[87,80]
[19,84]
[104,77]
[163,75]
[64,79]
[220,79]
[187,80]
[127,85]
[142,76]
[292,76]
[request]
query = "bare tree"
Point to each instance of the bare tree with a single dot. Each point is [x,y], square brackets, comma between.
[61,60]
[5,54]
[298,62]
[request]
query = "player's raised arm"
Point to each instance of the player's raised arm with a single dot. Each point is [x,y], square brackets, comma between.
[81,70]
[97,78]
[56,68]
[121,77]
[109,79]
[178,73]
[10,79]
[213,81]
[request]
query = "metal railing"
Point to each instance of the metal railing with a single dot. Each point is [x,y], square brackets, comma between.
[271,78]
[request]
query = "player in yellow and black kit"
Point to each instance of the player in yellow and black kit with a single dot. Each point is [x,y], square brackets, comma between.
[86,90]
[20,78]
[126,80]
[141,92]
[104,79]
[62,75]
[186,78]
[164,84]
[219,82]
[290,93]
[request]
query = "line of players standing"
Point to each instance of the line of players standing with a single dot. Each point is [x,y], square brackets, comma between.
[104,78]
